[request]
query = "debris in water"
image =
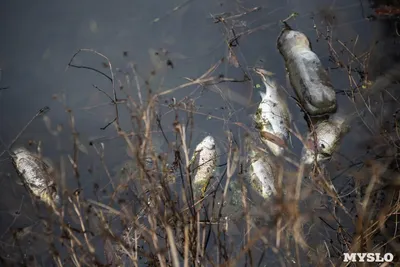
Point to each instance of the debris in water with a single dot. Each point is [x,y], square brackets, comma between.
[308,77]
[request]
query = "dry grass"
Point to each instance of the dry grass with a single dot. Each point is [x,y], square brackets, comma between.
[152,217]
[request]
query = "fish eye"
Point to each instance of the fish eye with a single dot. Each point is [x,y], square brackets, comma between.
[322,145]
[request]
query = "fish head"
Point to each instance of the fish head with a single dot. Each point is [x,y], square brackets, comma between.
[308,156]
[20,152]
[266,77]
[322,144]
[208,143]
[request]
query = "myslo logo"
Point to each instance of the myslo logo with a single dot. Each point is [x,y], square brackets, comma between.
[368,257]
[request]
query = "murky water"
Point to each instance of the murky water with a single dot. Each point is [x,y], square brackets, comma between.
[39,39]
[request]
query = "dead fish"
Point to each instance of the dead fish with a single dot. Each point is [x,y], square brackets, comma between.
[327,134]
[262,171]
[35,174]
[204,160]
[272,116]
[308,77]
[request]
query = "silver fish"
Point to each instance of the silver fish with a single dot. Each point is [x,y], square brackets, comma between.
[308,77]
[262,171]
[204,160]
[36,175]
[327,134]
[272,115]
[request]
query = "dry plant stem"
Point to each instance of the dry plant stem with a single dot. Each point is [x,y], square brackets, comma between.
[259,234]
[241,125]
[147,119]
[153,225]
[202,241]
[172,245]
[186,248]
[57,260]
[73,254]
[249,31]
[108,208]
[232,163]
[298,183]
[372,229]
[331,191]
[358,241]
[198,245]
[77,211]
[202,80]
[135,256]
[107,228]
[280,196]
[100,153]
[74,160]
[169,13]
[133,67]
[111,76]
[182,132]
[248,11]
[246,212]
[42,111]
[15,218]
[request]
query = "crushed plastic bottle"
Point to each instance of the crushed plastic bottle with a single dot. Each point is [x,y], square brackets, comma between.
[308,77]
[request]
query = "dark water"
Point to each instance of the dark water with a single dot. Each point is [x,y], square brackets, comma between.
[39,39]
